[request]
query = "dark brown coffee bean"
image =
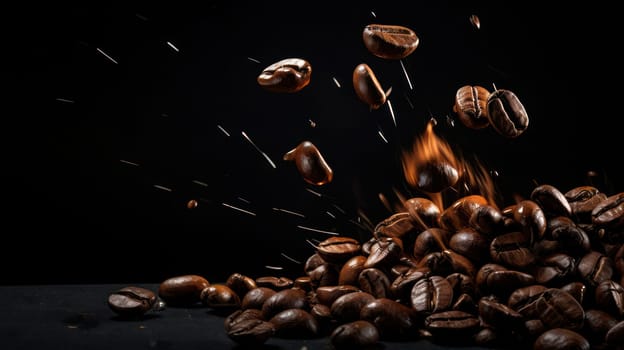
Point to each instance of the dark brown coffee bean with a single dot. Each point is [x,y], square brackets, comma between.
[131,302]
[436,175]
[488,337]
[283,300]
[557,309]
[399,225]
[247,327]
[312,263]
[347,307]
[457,215]
[481,279]
[424,212]
[615,336]
[431,240]
[571,237]
[499,316]
[610,212]
[471,106]
[532,219]
[401,287]
[220,296]
[391,42]
[524,295]
[255,298]
[583,200]
[338,249]
[240,284]
[431,294]
[322,314]
[551,200]
[597,324]
[324,275]
[303,282]
[471,244]
[561,339]
[488,220]
[310,163]
[506,113]
[594,268]
[385,252]
[455,326]
[393,319]
[375,282]
[182,290]
[326,295]
[461,283]
[275,283]
[288,75]
[350,271]
[609,297]
[438,263]
[555,270]
[513,250]
[355,335]
[367,87]
[465,302]
[533,329]
[503,283]
[577,290]
[295,323]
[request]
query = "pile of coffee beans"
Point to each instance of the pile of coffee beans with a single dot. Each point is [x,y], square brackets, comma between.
[546,273]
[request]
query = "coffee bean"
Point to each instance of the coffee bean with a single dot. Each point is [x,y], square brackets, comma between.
[385,252]
[555,270]
[551,200]
[284,300]
[326,295]
[431,294]
[338,249]
[452,326]
[571,237]
[275,283]
[471,106]
[597,324]
[506,113]
[583,200]
[609,297]
[429,241]
[286,76]
[471,244]
[524,295]
[532,219]
[220,296]
[594,268]
[615,336]
[375,282]
[393,319]
[457,215]
[347,307]
[255,298]
[131,302]
[182,290]
[399,225]
[513,250]
[367,87]
[561,339]
[557,309]
[248,328]
[498,315]
[487,220]
[355,335]
[350,271]
[240,284]
[609,212]
[401,286]
[389,41]
[295,323]
[424,213]
[577,290]
[436,175]
[310,163]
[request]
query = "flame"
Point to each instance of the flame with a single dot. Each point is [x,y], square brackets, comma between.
[429,151]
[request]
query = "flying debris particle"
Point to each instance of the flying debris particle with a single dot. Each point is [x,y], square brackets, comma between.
[373,14]
[316,230]
[450,121]
[409,82]
[223,130]
[239,209]
[163,188]
[339,209]
[128,162]
[200,183]
[409,102]
[274,267]
[192,204]
[164,115]
[243,200]
[259,150]
[172,46]
[312,123]
[253,60]
[312,244]
[382,136]
[291,259]
[391,112]
[336,82]
[289,212]
[106,55]
[64,100]
[475,21]
[141,17]
[314,192]
[330,214]
[494,85]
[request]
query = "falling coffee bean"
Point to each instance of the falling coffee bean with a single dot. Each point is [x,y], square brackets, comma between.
[288,75]
[310,163]
[390,41]
[367,87]
[471,106]
[506,113]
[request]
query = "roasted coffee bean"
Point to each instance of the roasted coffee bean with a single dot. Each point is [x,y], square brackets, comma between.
[597,324]
[471,244]
[283,300]
[459,263]
[131,302]
[375,282]
[367,87]
[385,252]
[506,113]
[350,271]
[488,220]
[571,237]
[312,263]
[367,245]
[615,336]
[471,106]
[429,241]
[247,327]
[424,212]
[326,295]
[240,284]
[513,250]
[399,225]
[551,200]
[401,287]
[288,75]
[555,270]
[324,275]
[457,215]
[577,290]
[310,163]
[431,294]
[391,42]
[561,339]
[461,283]
[557,309]
[503,283]
[610,212]
[338,249]
[355,335]
[347,307]
[454,325]
[303,282]
[439,264]
[533,329]
[436,175]
[619,260]
[465,302]
[594,268]
[220,296]
[583,200]
[532,218]
[182,290]
[393,319]
[481,279]
[295,323]
[498,315]
[488,337]
[273,282]
[524,295]
[255,298]
[322,314]
[609,297]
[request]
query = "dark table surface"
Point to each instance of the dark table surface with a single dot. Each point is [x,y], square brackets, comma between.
[78,317]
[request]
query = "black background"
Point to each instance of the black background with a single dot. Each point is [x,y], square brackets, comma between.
[74,211]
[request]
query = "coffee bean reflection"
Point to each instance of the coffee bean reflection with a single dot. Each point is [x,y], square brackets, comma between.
[310,163]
